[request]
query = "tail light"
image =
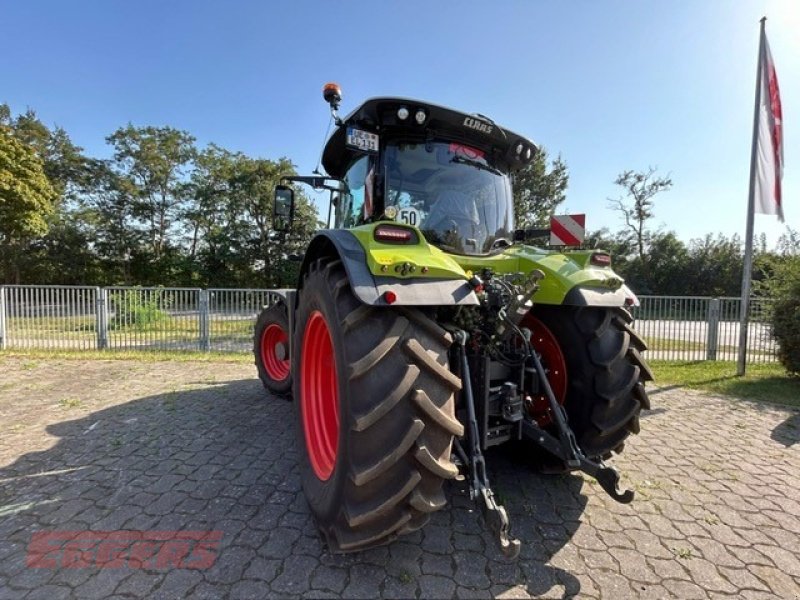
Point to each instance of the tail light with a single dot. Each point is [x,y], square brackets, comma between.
[391,234]
[601,259]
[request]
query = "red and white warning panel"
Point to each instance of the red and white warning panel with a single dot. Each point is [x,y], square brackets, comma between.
[567,230]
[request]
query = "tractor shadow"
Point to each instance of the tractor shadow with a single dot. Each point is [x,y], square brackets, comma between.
[788,432]
[545,512]
[224,457]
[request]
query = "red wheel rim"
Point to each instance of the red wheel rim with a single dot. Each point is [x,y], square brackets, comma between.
[546,344]
[319,396]
[273,336]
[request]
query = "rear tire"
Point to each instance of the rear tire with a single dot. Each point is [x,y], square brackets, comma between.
[375,453]
[605,373]
[271,350]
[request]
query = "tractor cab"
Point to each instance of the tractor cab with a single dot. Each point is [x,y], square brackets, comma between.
[437,169]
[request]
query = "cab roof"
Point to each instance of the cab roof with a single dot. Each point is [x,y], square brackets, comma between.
[380,116]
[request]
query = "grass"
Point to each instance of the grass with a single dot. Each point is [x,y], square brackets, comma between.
[669,344]
[83,328]
[684,553]
[672,345]
[69,403]
[763,383]
[137,355]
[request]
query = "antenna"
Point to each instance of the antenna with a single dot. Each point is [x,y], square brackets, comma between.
[316,171]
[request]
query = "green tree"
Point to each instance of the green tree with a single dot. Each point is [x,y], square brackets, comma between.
[229,225]
[538,190]
[151,165]
[636,205]
[65,165]
[26,201]
[714,266]
[783,288]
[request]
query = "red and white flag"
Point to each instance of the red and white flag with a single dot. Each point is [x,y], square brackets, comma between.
[769,140]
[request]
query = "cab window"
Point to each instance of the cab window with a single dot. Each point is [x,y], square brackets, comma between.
[355,205]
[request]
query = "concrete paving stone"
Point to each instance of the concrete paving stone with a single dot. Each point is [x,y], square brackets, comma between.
[706,575]
[613,539]
[757,595]
[505,592]
[504,572]
[309,543]
[365,582]
[717,553]
[329,579]
[177,583]
[207,591]
[435,564]
[28,579]
[139,584]
[599,559]
[634,566]
[472,593]
[778,582]
[102,584]
[463,541]
[279,543]
[613,584]
[436,539]
[229,566]
[471,570]
[296,575]
[783,558]
[50,592]
[743,579]
[436,587]
[685,589]
[717,512]
[399,589]
[314,594]
[250,590]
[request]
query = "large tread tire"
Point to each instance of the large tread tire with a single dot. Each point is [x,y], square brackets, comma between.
[272,326]
[605,374]
[396,413]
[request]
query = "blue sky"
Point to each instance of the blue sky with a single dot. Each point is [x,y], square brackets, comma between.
[608,85]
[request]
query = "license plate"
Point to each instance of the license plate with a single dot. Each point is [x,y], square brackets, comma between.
[362,140]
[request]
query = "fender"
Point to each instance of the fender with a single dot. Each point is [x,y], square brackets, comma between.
[582,295]
[370,289]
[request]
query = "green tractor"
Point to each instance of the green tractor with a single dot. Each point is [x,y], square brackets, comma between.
[424,329]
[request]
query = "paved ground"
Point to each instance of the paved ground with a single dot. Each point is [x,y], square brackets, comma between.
[166,446]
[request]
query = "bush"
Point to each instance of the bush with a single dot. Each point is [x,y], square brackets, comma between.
[784,287]
[138,309]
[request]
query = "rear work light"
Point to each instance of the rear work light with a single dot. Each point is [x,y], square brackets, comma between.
[601,259]
[395,235]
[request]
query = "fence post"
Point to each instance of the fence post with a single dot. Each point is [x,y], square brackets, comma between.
[101,317]
[204,307]
[2,317]
[713,329]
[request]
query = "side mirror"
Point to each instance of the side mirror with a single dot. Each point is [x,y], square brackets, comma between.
[283,208]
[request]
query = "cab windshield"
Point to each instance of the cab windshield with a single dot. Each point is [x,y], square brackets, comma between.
[459,200]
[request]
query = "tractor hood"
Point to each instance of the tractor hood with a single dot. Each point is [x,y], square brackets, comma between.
[382,116]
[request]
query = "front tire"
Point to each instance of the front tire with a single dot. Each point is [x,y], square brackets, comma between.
[375,412]
[271,349]
[603,386]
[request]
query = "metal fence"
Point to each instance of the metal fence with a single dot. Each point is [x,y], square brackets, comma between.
[129,318]
[137,318]
[702,328]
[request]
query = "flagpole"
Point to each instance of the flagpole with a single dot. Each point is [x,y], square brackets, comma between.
[748,240]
